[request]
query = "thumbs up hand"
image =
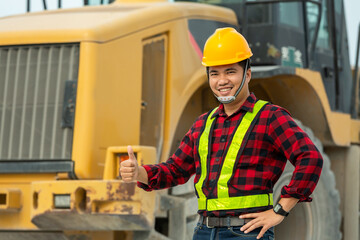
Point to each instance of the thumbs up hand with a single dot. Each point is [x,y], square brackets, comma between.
[129,169]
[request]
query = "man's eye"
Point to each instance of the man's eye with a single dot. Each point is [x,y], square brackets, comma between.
[213,74]
[230,72]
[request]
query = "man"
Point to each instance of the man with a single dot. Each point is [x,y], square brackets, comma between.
[237,151]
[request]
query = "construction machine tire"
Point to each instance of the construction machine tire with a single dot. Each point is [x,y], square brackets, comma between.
[318,220]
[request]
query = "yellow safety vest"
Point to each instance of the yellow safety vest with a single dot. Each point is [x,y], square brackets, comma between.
[223,201]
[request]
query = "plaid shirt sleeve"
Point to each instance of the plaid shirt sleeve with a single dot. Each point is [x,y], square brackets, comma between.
[176,170]
[288,138]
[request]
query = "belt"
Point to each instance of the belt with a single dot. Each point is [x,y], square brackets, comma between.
[212,222]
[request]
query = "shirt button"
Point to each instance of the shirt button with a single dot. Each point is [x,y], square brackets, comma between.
[216,159]
[223,139]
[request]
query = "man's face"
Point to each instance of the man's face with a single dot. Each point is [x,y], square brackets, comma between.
[225,80]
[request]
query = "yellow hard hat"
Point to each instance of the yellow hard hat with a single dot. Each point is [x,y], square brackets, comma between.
[225,46]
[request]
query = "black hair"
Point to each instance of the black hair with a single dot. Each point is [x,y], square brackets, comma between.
[241,63]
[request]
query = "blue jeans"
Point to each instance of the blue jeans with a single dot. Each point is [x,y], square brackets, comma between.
[202,232]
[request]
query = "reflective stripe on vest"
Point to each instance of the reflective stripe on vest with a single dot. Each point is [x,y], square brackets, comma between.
[224,202]
[203,152]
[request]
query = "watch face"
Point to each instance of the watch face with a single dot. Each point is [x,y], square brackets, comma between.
[277,208]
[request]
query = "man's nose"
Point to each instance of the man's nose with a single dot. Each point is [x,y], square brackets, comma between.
[223,79]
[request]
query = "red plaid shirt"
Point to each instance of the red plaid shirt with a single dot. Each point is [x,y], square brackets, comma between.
[274,139]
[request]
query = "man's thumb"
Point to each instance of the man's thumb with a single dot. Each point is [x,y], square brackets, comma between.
[131,153]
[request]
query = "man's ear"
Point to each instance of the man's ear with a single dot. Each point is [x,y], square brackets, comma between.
[248,75]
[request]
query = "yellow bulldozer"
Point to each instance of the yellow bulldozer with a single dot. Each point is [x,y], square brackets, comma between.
[77,86]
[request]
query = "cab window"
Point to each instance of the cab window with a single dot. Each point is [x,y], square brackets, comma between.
[153,91]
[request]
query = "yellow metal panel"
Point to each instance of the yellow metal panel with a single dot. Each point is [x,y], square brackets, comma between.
[294,93]
[10,199]
[105,84]
[102,204]
[84,113]
[25,178]
[303,94]
[20,219]
[339,123]
[340,127]
[100,23]
[355,131]
[108,102]
[111,43]
[107,108]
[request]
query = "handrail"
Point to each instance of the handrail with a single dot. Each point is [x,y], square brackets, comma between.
[335,57]
[355,110]
[28,3]
[355,77]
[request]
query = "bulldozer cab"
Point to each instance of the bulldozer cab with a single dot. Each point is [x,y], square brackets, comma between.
[307,34]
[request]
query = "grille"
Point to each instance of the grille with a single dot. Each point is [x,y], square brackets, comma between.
[32,85]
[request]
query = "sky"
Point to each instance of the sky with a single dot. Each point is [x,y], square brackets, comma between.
[352,8]
[9,7]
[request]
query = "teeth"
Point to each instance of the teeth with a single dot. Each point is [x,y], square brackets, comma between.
[225,89]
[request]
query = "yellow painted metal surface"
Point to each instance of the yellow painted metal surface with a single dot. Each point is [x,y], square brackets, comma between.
[10,199]
[355,131]
[110,44]
[20,219]
[338,123]
[94,205]
[105,84]
[100,23]
[296,92]
[108,111]
[108,204]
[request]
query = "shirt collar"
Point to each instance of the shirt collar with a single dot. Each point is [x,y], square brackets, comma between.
[247,106]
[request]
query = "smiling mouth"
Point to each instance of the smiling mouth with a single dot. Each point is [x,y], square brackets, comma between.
[225,91]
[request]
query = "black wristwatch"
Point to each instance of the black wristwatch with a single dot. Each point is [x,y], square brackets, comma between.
[278,209]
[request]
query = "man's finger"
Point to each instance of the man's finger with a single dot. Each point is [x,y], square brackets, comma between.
[249,224]
[262,232]
[127,179]
[249,215]
[127,169]
[128,163]
[131,153]
[128,175]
